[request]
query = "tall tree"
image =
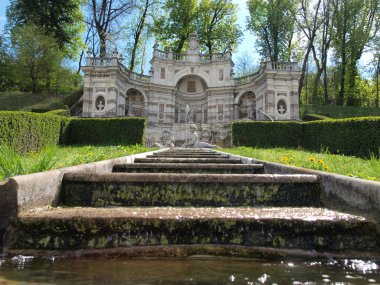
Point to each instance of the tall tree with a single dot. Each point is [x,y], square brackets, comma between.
[309,23]
[59,19]
[273,23]
[105,15]
[140,28]
[37,56]
[353,26]
[177,23]
[244,64]
[216,24]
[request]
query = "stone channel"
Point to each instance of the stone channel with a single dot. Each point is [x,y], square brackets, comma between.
[181,202]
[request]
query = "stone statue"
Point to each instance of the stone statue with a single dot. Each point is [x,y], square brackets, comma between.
[169,143]
[100,105]
[193,140]
[189,115]
[249,111]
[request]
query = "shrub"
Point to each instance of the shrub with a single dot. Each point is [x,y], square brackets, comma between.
[314,117]
[25,131]
[266,134]
[355,136]
[106,131]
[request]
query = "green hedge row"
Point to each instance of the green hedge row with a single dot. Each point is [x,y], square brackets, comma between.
[314,117]
[106,131]
[357,136]
[266,134]
[26,131]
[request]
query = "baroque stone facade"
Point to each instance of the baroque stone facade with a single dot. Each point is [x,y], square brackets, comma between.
[189,88]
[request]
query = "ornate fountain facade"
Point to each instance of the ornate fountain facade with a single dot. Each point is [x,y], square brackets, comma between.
[189,88]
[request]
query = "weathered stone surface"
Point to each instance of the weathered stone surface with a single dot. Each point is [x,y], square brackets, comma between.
[186,160]
[189,168]
[89,228]
[188,190]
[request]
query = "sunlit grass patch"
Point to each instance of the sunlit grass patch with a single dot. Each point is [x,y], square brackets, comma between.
[346,165]
[12,163]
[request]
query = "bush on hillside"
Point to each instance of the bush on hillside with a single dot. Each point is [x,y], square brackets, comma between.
[314,117]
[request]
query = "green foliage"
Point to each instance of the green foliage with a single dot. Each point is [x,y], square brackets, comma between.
[273,23]
[322,161]
[59,112]
[266,134]
[37,57]
[10,162]
[358,137]
[217,24]
[176,25]
[214,21]
[314,117]
[339,112]
[59,19]
[106,131]
[25,132]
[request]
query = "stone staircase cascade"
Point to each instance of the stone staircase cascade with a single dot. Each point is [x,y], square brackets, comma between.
[182,202]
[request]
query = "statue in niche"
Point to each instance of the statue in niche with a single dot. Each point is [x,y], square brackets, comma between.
[193,140]
[100,106]
[249,111]
[281,107]
[189,115]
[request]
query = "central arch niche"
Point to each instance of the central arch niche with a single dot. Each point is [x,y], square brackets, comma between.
[247,106]
[134,103]
[191,91]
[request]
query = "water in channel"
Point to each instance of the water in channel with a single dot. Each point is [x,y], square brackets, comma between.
[26,270]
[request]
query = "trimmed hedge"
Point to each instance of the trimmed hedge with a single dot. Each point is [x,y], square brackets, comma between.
[106,131]
[26,131]
[59,112]
[355,136]
[266,134]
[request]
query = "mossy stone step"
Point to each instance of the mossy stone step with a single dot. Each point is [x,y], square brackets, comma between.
[189,168]
[186,155]
[186,160]
[163,189]
[100,228]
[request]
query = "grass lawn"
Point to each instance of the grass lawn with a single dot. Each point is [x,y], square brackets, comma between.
[12,164]
[345,165]
[339,112]
[17,101]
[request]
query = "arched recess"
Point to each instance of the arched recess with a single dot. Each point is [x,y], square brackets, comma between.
[191,90]
[184,73]
[135,102]
[247,105]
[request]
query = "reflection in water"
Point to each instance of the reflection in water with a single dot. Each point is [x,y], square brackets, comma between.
[26,270]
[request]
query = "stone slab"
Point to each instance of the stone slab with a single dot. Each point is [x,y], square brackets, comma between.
[285,228]
[189,168]
[199,190]
[186,160]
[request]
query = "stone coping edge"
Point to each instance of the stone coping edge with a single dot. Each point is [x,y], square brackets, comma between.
[195,251]
[344,193]
[188,178]
[28,191]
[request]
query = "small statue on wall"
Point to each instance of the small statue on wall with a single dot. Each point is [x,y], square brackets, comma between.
[193,142]
[100,106]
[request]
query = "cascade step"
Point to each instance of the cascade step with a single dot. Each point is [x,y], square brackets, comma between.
[100,228]
[187,160]
[163,189]
[185,155]
[189,168]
